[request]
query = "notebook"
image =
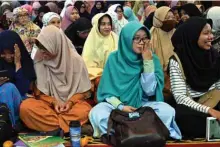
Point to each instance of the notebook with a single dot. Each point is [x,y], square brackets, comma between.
[39,141]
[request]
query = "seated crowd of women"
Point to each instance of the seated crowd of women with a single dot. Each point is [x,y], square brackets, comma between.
[109,56]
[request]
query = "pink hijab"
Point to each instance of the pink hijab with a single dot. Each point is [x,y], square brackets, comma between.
[36,5]
[66,18]
[28,8]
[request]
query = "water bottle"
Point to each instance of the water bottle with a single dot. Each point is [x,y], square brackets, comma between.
[75,133]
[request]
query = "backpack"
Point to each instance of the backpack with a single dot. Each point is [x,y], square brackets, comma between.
[6,129]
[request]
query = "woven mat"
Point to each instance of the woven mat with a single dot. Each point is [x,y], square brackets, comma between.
[199,142]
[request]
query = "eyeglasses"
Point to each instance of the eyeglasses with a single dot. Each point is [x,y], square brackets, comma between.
[118,11]
[138,40]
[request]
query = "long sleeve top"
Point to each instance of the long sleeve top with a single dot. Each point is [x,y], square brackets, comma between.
[22,83]
[180,88]
[148,83]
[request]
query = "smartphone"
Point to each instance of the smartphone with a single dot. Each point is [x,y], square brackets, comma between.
[3,73]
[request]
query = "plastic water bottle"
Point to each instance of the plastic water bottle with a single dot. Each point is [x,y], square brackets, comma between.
[75,133]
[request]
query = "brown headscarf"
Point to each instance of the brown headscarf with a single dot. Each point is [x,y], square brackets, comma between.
[161,40]
[66,74]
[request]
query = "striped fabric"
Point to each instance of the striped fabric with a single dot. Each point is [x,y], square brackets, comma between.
[179,89]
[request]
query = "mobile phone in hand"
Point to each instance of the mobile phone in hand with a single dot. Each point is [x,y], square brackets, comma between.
[4,73]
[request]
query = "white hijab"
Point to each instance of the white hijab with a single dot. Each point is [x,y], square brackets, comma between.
[48,16]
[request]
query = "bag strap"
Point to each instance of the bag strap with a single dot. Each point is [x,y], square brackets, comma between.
[180,65]
[181,68]
[110,125]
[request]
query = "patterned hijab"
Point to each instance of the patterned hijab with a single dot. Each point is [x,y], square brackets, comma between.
[27,31]
[48,16]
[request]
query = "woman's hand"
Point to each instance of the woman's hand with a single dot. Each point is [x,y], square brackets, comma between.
[17,57]
[66,107]
[128,109]
[61,107]
[214,113]
[58,106]
[28,46]
[147,53]
[3,80]
[184,17]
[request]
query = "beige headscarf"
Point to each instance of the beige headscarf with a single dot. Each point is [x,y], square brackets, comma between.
[98,47]
[161,40]
[66,74]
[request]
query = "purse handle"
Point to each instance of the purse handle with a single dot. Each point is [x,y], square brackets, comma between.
[110,125]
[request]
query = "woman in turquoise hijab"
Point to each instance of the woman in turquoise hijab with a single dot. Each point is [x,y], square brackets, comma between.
[129,14]
[132,78]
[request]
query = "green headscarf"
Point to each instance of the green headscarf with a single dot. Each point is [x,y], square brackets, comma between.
[122,72]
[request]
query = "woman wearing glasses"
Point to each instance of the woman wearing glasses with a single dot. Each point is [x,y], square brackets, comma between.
[116,12]
[26,29]
[132,76]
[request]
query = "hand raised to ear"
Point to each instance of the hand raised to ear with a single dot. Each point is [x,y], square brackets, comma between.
[17,56]
[147,53]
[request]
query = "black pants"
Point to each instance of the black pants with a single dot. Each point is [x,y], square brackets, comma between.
[192,123]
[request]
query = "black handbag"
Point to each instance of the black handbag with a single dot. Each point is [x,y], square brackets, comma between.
[6,129]
[141,128]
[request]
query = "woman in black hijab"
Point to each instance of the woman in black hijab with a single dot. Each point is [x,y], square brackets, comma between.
[42,10]
[99,7]
[3,23]
[81,7]
[189,10]
[149,20]
[20,72]
[17,73]
[78,32]
[201,69]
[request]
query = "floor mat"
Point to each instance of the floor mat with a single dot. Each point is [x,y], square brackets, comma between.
[183,143]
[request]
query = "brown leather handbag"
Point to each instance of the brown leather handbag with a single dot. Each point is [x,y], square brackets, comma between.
[142,128]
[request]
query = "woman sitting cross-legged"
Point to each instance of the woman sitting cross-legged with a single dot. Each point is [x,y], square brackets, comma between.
[61,87]
[201,69]
[19,69]
[131,76]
